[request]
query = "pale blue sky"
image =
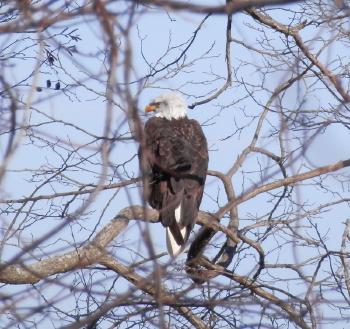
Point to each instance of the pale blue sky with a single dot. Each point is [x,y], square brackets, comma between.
[219,118]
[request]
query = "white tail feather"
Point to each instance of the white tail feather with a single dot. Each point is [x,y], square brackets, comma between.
[173,248]
[178,214]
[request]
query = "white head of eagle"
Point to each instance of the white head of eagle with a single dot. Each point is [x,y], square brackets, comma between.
[175,162]
[169,106]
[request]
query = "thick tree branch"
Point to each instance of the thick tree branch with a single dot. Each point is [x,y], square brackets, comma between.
[230,8]
[78,258]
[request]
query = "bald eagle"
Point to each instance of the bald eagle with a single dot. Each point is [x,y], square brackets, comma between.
[175,162]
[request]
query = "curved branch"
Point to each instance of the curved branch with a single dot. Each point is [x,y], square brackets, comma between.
[212,270]
[228,81]
[294,33]
[254,191]
[89,254]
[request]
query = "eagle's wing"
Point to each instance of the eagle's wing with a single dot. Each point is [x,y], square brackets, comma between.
[178,157]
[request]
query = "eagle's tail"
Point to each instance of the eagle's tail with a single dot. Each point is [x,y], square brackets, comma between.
[179,213]
[176,237]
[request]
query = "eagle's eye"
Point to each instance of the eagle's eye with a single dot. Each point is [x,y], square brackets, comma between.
[156,104]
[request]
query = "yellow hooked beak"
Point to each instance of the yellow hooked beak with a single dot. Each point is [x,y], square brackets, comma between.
[152,107]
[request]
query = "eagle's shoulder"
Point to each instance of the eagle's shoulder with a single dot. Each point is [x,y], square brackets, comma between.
[156,128]
[195,125]
[184,128]
[153,122]
[194,131]
[188,126]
